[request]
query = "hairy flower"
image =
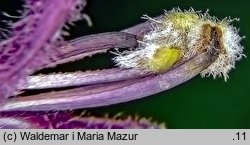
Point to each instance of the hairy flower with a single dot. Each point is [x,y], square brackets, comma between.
[179,35]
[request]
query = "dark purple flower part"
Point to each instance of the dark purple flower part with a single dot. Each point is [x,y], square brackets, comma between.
[32,40]
[66,120]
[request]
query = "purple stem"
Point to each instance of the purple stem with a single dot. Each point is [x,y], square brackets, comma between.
[91,44]
[111,93]
[60,80]
[98,43]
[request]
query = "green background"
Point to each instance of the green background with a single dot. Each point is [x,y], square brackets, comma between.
[198,103]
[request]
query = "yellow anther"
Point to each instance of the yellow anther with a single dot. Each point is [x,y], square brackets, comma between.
[164,58]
